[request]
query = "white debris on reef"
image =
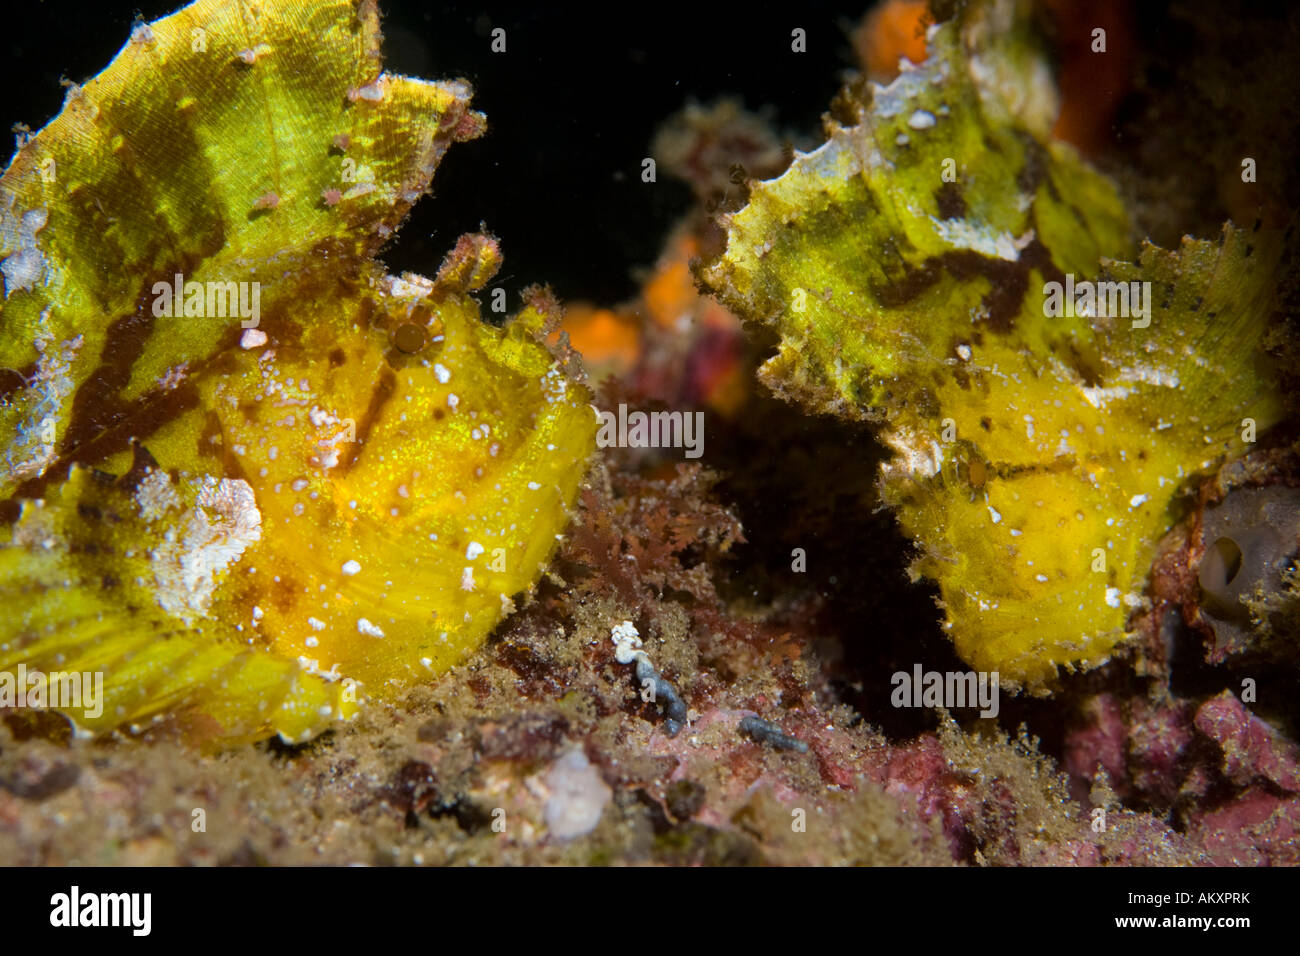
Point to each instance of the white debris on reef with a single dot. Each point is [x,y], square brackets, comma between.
[578,796]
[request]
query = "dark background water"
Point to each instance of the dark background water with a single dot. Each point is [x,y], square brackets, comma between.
[572,106]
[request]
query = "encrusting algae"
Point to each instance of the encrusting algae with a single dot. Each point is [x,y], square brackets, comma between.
[943,268]
[250,477]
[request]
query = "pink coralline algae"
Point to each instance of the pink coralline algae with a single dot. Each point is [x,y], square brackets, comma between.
[1231,777]
[1252,751]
